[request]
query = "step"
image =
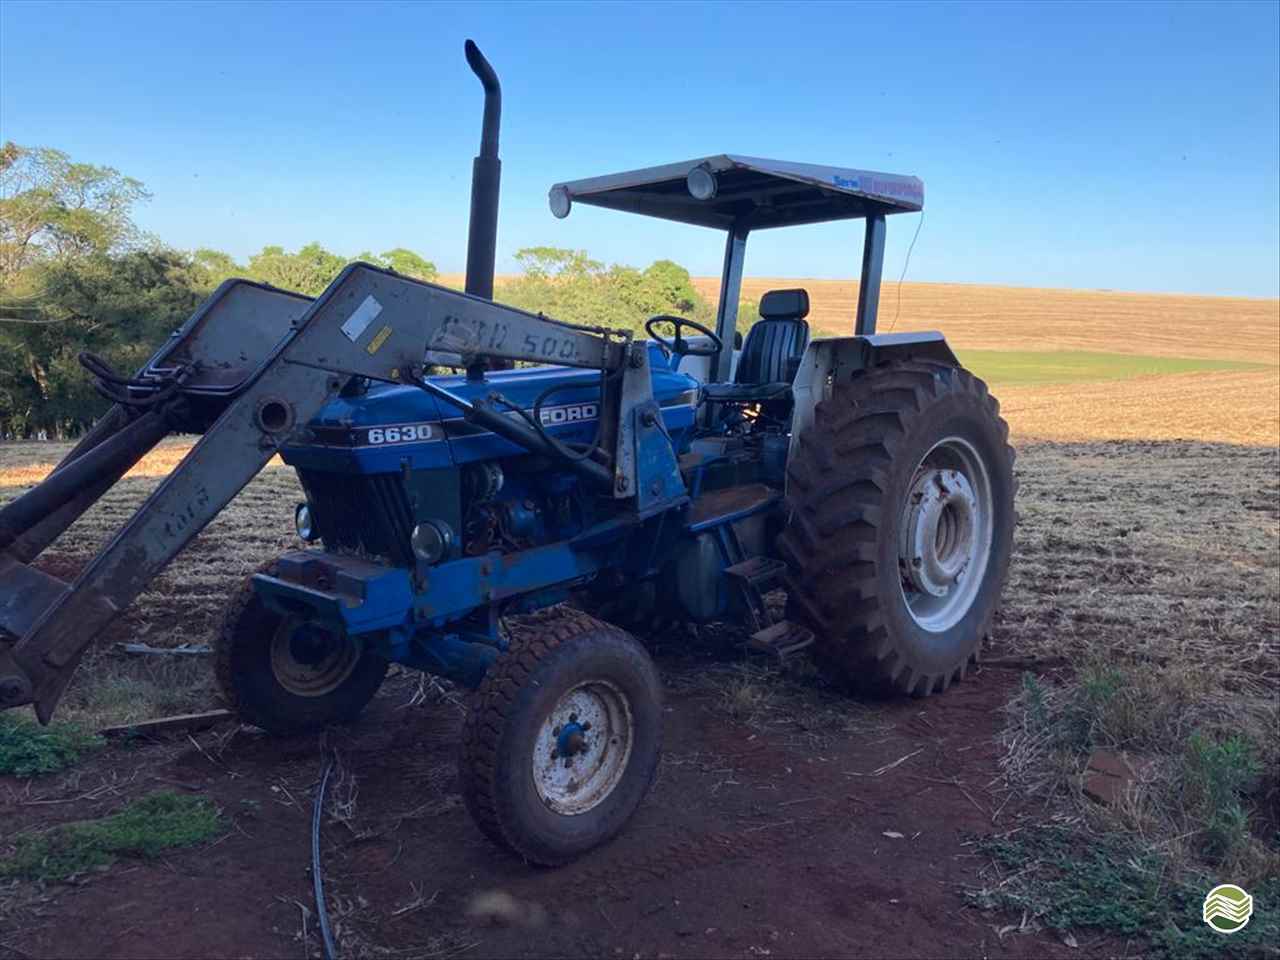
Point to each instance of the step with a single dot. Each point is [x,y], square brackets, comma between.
[730,503]
[784,639]
[758,571]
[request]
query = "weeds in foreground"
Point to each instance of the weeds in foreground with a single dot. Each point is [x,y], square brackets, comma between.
[28,749]
[143,828]
[1216,775]
[110,689]
[1201,759]
[1191,817]
[1066,879]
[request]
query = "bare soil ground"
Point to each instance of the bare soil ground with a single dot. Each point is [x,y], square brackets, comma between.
[758,839]
[1149,535]
[767,829]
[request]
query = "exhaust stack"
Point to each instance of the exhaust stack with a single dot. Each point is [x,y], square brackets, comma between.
[486,175]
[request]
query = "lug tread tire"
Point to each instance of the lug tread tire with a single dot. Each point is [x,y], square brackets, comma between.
[535,639]
[838,489]
[242,653]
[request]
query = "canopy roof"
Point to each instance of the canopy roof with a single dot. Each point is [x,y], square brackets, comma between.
[750,191]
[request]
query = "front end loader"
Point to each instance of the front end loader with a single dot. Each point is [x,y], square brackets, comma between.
[512,530]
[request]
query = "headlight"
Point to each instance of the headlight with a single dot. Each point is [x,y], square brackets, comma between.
[303,523]
[701,183]
[560,202]
[431,540]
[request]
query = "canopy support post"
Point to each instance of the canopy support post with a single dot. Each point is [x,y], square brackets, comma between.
[869,286]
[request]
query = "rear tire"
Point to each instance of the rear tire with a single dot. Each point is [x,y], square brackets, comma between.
[562,740]
[287,683]
[900,526]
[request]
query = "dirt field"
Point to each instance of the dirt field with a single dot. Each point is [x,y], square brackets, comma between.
[1231,407]
[758,837]
[786,821]
[982,317]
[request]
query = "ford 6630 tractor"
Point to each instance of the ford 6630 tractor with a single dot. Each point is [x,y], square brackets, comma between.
[606,481]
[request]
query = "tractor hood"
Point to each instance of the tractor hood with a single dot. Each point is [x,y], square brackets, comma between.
[378,431]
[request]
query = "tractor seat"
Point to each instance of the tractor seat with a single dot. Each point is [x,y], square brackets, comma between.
[771,355]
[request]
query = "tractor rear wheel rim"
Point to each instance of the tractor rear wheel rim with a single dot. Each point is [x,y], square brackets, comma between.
[582,748]
[309,662]
[946,535]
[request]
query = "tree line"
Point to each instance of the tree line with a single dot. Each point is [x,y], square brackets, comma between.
[76,274]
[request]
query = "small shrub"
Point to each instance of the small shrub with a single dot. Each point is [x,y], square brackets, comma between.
[1099,686]
[745,697]
[1034,702]
[1215,776]
[143,828]
[27,749]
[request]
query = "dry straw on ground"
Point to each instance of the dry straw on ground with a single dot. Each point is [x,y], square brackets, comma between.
[1150,551]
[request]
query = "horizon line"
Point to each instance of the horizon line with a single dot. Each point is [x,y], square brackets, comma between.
[890,285]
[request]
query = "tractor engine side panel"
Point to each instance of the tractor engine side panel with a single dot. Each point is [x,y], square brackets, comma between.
[380,462]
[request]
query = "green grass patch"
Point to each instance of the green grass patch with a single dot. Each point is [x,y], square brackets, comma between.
[1206,757]
[143,828]
[1069,881]
[1193,818]
[1080,366]
[27,749]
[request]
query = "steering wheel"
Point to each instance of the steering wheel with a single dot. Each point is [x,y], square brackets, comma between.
[677,345]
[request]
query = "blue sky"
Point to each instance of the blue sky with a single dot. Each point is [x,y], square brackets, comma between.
[1125,146]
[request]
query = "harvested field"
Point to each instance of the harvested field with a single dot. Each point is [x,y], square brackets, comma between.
[26,463]
[1088,328]
[787,820]
[980,317]
[1150,552]
[1241,408]
[1235,406]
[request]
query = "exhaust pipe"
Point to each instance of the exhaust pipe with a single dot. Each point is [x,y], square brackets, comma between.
[486,175]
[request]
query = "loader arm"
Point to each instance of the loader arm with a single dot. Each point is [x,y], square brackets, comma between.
[249,371]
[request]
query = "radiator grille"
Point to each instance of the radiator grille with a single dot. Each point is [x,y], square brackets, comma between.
[367,514]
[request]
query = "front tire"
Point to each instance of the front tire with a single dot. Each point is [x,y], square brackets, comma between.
[562,740]
[900,505]
[287,676]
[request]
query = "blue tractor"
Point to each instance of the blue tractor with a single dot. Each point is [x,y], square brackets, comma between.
[511,529]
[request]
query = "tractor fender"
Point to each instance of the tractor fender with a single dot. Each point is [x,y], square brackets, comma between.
[834,360]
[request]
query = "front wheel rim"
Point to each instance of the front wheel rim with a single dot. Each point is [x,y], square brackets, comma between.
[582,748]
[947,532]
[310,662]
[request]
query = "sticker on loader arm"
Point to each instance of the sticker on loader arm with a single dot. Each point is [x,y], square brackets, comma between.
[378,340]
[359,321]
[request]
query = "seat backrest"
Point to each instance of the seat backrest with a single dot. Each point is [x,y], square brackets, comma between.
[776,342]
